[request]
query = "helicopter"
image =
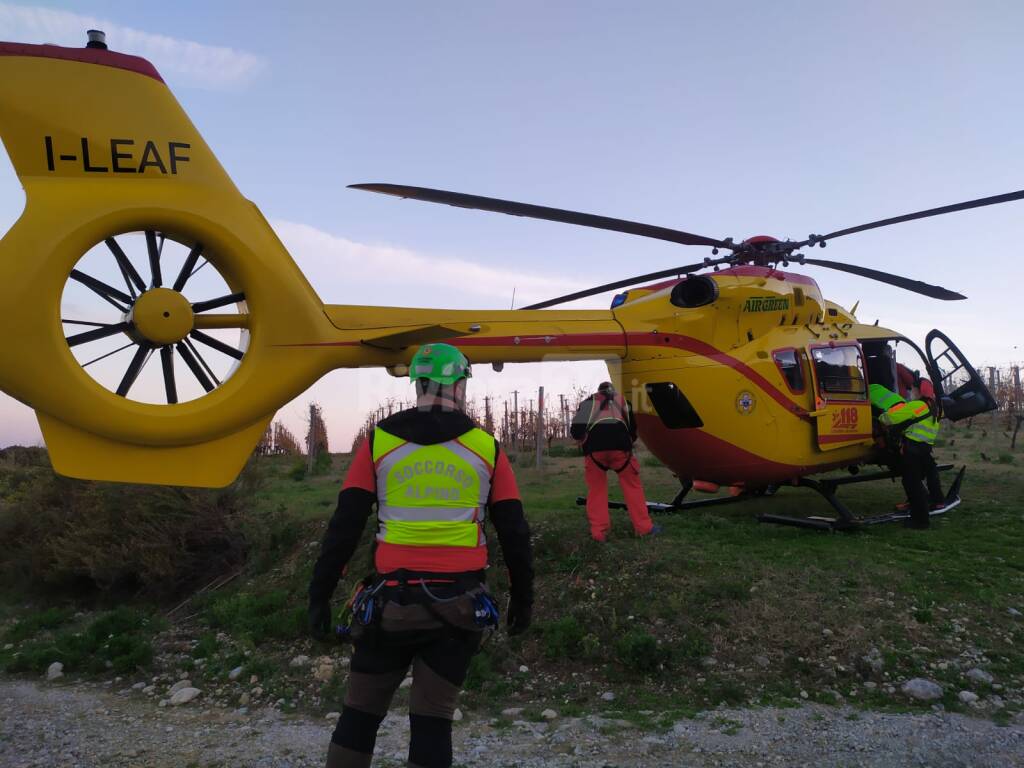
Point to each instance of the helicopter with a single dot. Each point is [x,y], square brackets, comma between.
[741,373]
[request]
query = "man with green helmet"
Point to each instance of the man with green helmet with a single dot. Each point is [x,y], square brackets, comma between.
[435,477]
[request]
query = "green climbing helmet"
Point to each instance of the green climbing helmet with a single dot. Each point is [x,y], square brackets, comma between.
[442,363]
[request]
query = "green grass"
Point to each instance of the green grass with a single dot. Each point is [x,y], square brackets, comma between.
[718,609]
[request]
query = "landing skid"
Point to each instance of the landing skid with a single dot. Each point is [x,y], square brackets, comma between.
[846,520]
[678,504]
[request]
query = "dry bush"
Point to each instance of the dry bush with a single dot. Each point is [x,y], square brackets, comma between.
[69,534]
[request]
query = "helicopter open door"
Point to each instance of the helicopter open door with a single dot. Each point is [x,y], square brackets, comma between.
[842,409]
[961,391]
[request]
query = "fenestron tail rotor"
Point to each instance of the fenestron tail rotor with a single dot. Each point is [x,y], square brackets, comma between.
[759,250]
[149,319]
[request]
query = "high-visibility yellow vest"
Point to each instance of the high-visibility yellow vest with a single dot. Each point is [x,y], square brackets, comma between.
[431,502]
[923,431]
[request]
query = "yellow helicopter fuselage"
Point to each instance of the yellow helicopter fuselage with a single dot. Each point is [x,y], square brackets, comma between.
[103,148]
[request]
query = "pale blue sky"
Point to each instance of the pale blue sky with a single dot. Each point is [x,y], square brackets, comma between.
[727,119]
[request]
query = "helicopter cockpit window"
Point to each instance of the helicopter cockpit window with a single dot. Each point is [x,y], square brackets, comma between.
[840,372]
[788,361]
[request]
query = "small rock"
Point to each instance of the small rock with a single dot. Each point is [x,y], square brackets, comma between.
[149,690]
[524,669]
[762,661]
[299,661]
[967,697]
[922,690]
[8,646]
[184,696]
[244,699]
[803,694]
[978,675]
[235,673]
[332,715]
[512,712]
[826,633]
[406,683]
[607,696]
[457,715]
[139,686]
[256,692]
[549,714]
[1013,612]
[163,703]
[55,671]
[179,686]
[253,679]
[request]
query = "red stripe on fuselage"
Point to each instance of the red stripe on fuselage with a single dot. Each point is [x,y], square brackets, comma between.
[99,56]
[704,349]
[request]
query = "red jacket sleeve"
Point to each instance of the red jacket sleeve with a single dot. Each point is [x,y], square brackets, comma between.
[503,483]
[361,473]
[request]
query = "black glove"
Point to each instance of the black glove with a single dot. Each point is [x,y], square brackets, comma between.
[519,616]
[319,615]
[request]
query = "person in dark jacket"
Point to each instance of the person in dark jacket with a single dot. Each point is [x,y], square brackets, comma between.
[605,427]
[434,477]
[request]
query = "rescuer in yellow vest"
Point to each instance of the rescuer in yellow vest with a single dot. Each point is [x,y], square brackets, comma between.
[434,477]
[916,423]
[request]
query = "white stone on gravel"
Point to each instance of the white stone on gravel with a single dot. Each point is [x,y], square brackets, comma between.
[967,697]
[512,712]
[138,686]
[549,714]
[332,715]
[179,686]
[184,696]
[1013,612]
[299,661]
[235,673]
[55,671]
[978,675]
[457,715]
[607,696]
[407,683]
[524,669]
[922,690]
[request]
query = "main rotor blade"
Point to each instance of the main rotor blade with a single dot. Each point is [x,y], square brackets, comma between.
[979,203]
[934,291]
[623,283]
[460,200]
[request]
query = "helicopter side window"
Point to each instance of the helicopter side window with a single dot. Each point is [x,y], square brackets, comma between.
[840,372]
[791,368]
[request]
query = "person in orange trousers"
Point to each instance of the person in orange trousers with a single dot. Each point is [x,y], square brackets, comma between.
[605,427]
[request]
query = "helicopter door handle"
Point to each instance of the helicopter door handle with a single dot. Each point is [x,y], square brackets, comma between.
[815,414]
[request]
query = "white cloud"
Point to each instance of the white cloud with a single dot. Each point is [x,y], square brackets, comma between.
[346,271]
[190,62]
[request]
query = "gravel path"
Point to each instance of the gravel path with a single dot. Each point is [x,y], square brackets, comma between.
[88,726]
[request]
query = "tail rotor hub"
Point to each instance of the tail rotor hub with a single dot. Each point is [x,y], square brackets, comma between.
[161,316]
